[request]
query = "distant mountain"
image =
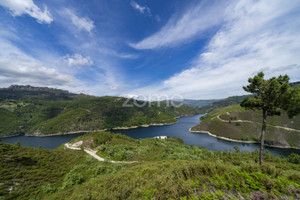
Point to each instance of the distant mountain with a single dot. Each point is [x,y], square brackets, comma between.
[222,103]
[18,92]
[44,111]
[192,102]
[295,84]
[198,103]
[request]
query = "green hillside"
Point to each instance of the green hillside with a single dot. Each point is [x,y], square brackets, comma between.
[281,131]
[34,114]
[164,169]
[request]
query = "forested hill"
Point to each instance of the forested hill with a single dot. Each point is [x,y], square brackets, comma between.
[44,111]
[18,92]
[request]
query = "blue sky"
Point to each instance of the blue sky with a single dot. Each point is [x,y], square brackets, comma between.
[148,48]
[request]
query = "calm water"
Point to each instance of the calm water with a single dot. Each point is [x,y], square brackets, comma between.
[180,129]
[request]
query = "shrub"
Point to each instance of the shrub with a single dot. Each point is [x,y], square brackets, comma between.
[48,189]
[294,158]
[72,178]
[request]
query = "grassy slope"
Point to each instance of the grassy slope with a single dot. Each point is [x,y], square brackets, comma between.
[170,169]
[23,170]
[251,131]
[87,113]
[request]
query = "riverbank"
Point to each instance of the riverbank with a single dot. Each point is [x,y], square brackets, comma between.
[143,126]
[8,136]
[241,141]
[86,131]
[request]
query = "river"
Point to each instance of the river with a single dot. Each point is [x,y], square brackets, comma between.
[179,129]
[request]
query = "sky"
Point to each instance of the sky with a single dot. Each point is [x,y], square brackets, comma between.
[202,49]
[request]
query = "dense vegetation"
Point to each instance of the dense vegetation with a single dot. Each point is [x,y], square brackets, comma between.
[28,110]
[165,169]
[248,131]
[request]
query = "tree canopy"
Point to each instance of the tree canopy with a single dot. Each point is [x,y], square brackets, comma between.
[270,96]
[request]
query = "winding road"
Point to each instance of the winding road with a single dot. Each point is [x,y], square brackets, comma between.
[93,153]
[247,121]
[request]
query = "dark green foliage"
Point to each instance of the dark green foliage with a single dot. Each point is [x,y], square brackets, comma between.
[237,148]
[294,158]
[269,96]
[72,178]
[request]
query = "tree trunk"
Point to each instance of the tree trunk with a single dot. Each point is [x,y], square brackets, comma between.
[262,139]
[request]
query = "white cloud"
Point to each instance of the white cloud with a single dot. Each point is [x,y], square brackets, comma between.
[18,68]
[256,36]
[20,7]
[82,23]
[195,20]
[77,60]
[141,9]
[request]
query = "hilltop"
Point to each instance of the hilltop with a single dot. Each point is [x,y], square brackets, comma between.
[18,92]
[163,169]
[45,111]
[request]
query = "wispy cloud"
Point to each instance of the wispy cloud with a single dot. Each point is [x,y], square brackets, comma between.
[196,20]
[21,7]
[256,36]
[141,9]
[77,60]
[18,68]
[82,23]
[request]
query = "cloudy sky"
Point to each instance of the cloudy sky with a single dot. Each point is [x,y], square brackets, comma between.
[194,49]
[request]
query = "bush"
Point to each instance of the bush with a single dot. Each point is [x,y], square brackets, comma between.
[294,158]
[72,178]
[102,138]
[48,189]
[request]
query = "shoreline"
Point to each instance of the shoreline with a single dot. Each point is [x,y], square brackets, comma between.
[91,131]
[241,141]
[85,131]
[142,126]
[8,136]
[68,133]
